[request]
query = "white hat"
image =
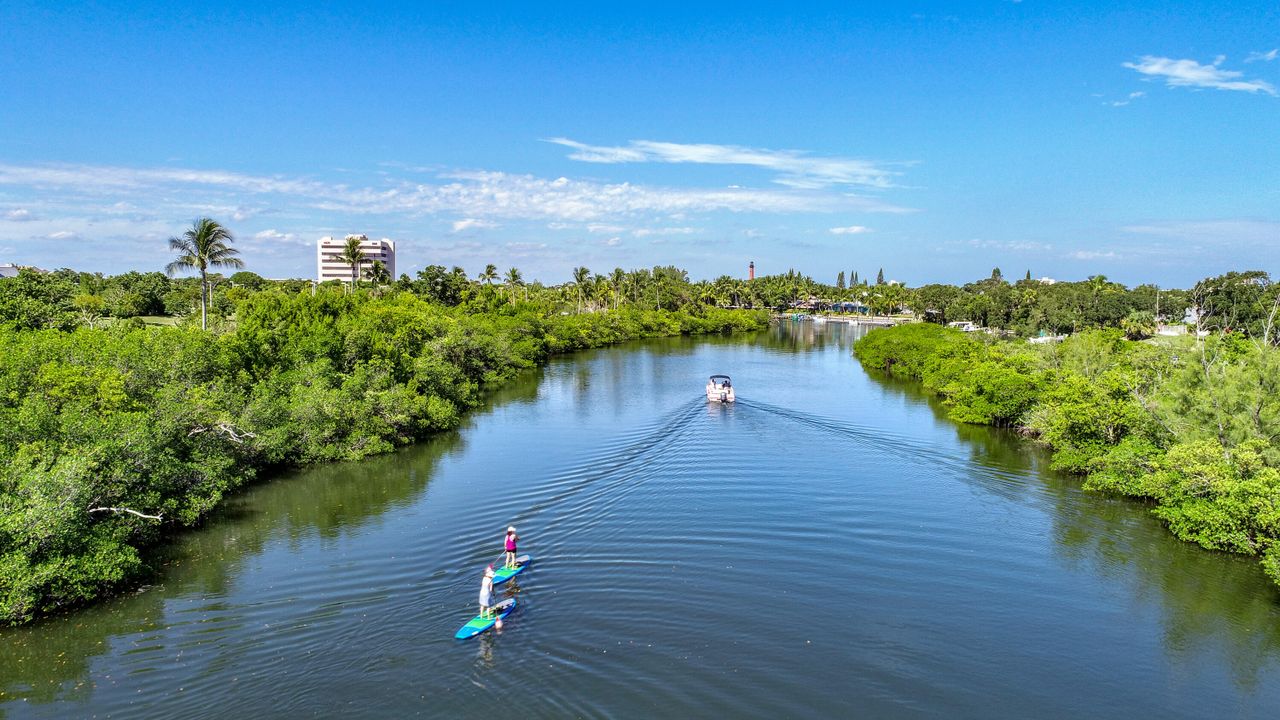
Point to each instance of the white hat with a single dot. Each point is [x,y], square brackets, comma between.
[511,528]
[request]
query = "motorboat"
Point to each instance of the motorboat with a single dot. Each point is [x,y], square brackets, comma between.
[720,389]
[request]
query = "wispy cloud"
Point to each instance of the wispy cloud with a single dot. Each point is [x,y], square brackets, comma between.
[1263,56]
[795,168]
[850,230]
[473,194]
[1132,96]
[469,223]
[1215,233]
[984,247]
[275,236]
[647,232]
[1093,255]
[1189,73]
[20,215]
[62,235]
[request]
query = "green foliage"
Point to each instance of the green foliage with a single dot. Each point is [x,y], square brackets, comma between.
[1237,301]
[35,300]
[1190,428]
[1220,500]
[167,420]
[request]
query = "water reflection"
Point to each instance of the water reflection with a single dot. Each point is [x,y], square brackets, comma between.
[51,660]
[980,584]
[1210,601]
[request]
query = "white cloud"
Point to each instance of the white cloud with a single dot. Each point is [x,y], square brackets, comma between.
[240,214]
[20,215]
[169,192]
[850,230]
[1004,245]
[612,242]
[796,168]
[595,228]
[1132,96]
[1092,255]
[468,223]
[1189,73]
[525,246]
[62,235]
[275,236]
[1263,56]
[647,232]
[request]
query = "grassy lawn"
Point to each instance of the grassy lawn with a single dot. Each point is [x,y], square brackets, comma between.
[158,319]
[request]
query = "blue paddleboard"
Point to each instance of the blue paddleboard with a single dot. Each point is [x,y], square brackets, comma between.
[503,574]
[479,624]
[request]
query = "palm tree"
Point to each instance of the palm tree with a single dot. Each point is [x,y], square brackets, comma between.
[513,281]
[204,246]
[490,274]
[377,273]
[616,279]
[353,256]
[580,277]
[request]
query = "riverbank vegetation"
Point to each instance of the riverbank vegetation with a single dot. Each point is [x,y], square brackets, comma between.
[115,432]
[1186,424]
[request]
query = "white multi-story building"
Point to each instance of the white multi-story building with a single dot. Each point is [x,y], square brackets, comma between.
[8,270]
[329,267]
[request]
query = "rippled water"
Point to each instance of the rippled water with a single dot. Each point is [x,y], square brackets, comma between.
[830,546]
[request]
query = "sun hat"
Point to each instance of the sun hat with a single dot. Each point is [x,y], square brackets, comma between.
[511,528]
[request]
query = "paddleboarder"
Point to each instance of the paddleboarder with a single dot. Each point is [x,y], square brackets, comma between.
[510,545]
[486,593]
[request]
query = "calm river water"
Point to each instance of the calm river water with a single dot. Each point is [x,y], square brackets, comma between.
[831,546]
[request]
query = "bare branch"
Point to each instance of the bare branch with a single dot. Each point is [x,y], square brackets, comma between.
[229,431]
[125,510]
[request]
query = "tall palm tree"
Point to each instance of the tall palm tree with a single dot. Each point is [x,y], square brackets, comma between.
[616,279]
[580,277]
[353,256]
[513,281]
[204,246]
[490,274]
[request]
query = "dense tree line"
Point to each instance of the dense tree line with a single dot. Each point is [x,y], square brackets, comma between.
[114,433]
[1026,307]
[1188,424]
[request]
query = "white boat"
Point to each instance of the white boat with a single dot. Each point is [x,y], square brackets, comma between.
[720,389]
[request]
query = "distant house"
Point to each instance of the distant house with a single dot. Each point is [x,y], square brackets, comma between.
[8,270]
[964,326]
[847,307]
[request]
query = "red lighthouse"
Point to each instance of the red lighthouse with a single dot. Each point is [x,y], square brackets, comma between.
[751,270]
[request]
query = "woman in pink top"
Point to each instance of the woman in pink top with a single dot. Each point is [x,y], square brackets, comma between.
[510,545]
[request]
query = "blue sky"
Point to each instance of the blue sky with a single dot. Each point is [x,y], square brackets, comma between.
[936,140]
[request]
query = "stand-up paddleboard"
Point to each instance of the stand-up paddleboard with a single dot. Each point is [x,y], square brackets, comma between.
[503,574]
[479,624]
